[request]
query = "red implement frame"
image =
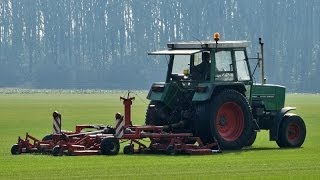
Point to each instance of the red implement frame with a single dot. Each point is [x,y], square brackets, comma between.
[89,143]
[160,140]
[70,143]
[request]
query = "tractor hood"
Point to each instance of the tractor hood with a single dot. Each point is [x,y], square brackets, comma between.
[272,95]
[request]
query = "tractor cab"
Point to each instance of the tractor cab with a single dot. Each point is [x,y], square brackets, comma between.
[207,61]
[196,68]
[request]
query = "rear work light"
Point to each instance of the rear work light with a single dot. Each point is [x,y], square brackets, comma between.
[201,89]
[157,88]
[170,46]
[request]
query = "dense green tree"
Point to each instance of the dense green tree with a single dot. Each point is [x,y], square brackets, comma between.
[104,43]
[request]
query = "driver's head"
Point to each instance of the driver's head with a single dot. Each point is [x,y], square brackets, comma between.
[205,57]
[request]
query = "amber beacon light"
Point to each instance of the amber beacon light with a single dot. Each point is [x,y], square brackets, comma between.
[216,36]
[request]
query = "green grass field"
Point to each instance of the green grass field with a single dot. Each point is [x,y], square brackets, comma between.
[21,113]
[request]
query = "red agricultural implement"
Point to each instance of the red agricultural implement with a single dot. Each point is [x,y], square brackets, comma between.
[106,140]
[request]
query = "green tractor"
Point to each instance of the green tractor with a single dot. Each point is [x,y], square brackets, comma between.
[209,91]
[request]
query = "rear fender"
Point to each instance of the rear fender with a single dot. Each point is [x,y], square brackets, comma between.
[157,92]
[204,91]
[274,131]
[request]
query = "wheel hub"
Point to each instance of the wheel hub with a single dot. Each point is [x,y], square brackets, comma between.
[223,121]
[293,132]
[230,121]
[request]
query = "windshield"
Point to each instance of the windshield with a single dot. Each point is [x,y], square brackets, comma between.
[193,67]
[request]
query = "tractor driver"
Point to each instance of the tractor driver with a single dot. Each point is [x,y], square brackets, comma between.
[202,70]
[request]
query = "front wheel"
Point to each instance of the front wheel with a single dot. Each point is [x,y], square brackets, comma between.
[170,150]
[15,149]
[57,151]
[110,146]
[128,149]
[292,132]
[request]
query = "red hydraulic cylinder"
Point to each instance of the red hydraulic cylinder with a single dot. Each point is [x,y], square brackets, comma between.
[127,102]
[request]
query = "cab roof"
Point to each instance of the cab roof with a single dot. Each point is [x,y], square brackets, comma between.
[207,44]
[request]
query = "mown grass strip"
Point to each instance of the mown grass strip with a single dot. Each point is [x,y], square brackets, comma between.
[31,113]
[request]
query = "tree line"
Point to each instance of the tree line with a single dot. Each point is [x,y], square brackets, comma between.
[104,43]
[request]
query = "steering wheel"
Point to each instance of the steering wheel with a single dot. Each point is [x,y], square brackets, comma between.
[176,77]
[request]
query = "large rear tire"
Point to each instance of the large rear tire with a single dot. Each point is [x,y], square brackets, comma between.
[292,131]
[251,140]
[157,114]
[202,122]
[227,118]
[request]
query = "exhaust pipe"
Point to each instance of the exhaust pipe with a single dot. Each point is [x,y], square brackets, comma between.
[263,79]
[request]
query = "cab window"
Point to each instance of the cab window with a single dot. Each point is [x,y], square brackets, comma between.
[242,66]
[201,66]
[180,63]
[224,69]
